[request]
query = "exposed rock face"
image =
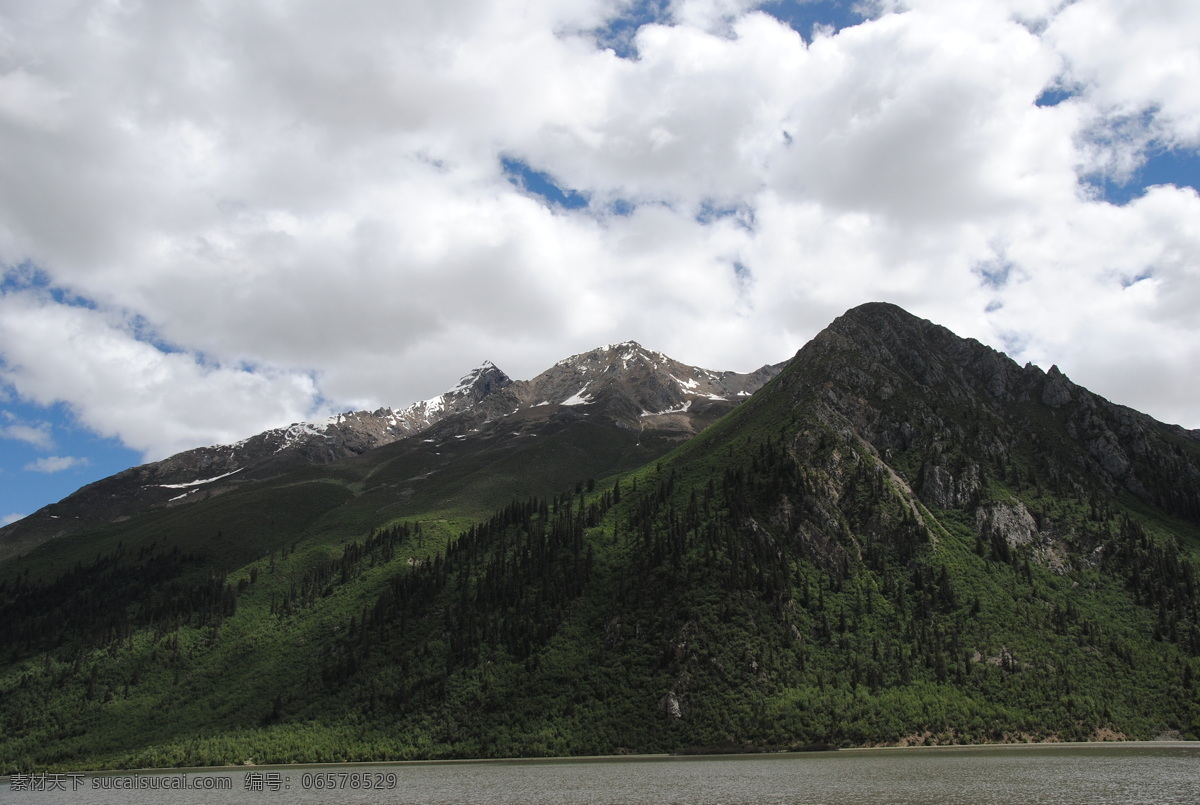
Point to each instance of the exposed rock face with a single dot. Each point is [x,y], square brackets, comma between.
[1057,390]
[908,383]
[1012,522]
[670,707]
[947,490]
[1108,452]
[953,419]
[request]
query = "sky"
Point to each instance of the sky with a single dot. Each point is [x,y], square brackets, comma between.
[220,216]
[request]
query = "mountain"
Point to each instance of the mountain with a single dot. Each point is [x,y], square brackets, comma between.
[948,413]
[201,472]
[639,387]
[903,537]
[625,384]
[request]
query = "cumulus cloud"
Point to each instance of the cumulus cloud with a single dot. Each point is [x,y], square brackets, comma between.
[11,518]
[50,464]
[38,434]
[153,400]
[248,213]
[1131,59]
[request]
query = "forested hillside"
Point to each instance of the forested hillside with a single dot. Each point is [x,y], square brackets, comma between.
[903,538]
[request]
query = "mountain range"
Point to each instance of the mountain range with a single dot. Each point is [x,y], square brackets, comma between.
[624,384]
[899,536]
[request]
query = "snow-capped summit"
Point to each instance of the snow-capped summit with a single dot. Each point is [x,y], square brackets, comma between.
[472,388]
[644,382]
[480,382]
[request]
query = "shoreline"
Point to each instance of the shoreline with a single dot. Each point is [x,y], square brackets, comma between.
[640,758]
[1169,744]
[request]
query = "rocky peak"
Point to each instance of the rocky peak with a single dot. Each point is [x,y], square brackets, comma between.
[1057,391]
[614,357]
[951,409]
[891,346]
[480,382]
[472,389]
[634,382]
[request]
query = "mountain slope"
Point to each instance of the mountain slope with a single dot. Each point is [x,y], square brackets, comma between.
[903,537]
[199,473]
[917,391]
[630,387]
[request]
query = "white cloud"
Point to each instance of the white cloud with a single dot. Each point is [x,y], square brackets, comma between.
[39,434]
[1110,295]
[50,464]
[308,202]
[712,16]
[11,518]
[1132,58]
[119,386]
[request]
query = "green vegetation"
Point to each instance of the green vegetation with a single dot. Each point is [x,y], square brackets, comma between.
[809,571]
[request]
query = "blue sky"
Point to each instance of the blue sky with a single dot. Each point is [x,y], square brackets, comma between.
[620,30]
[222,217]
[47,456]
[44,454]
[1163,166]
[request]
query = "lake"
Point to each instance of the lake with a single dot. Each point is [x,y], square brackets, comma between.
[1095,774]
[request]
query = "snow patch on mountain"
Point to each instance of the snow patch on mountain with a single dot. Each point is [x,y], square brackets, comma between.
[198,483]
[468,381]
[300,431]
[578,399]
[679,409]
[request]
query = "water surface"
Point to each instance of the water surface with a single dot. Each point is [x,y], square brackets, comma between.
[1096,774]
